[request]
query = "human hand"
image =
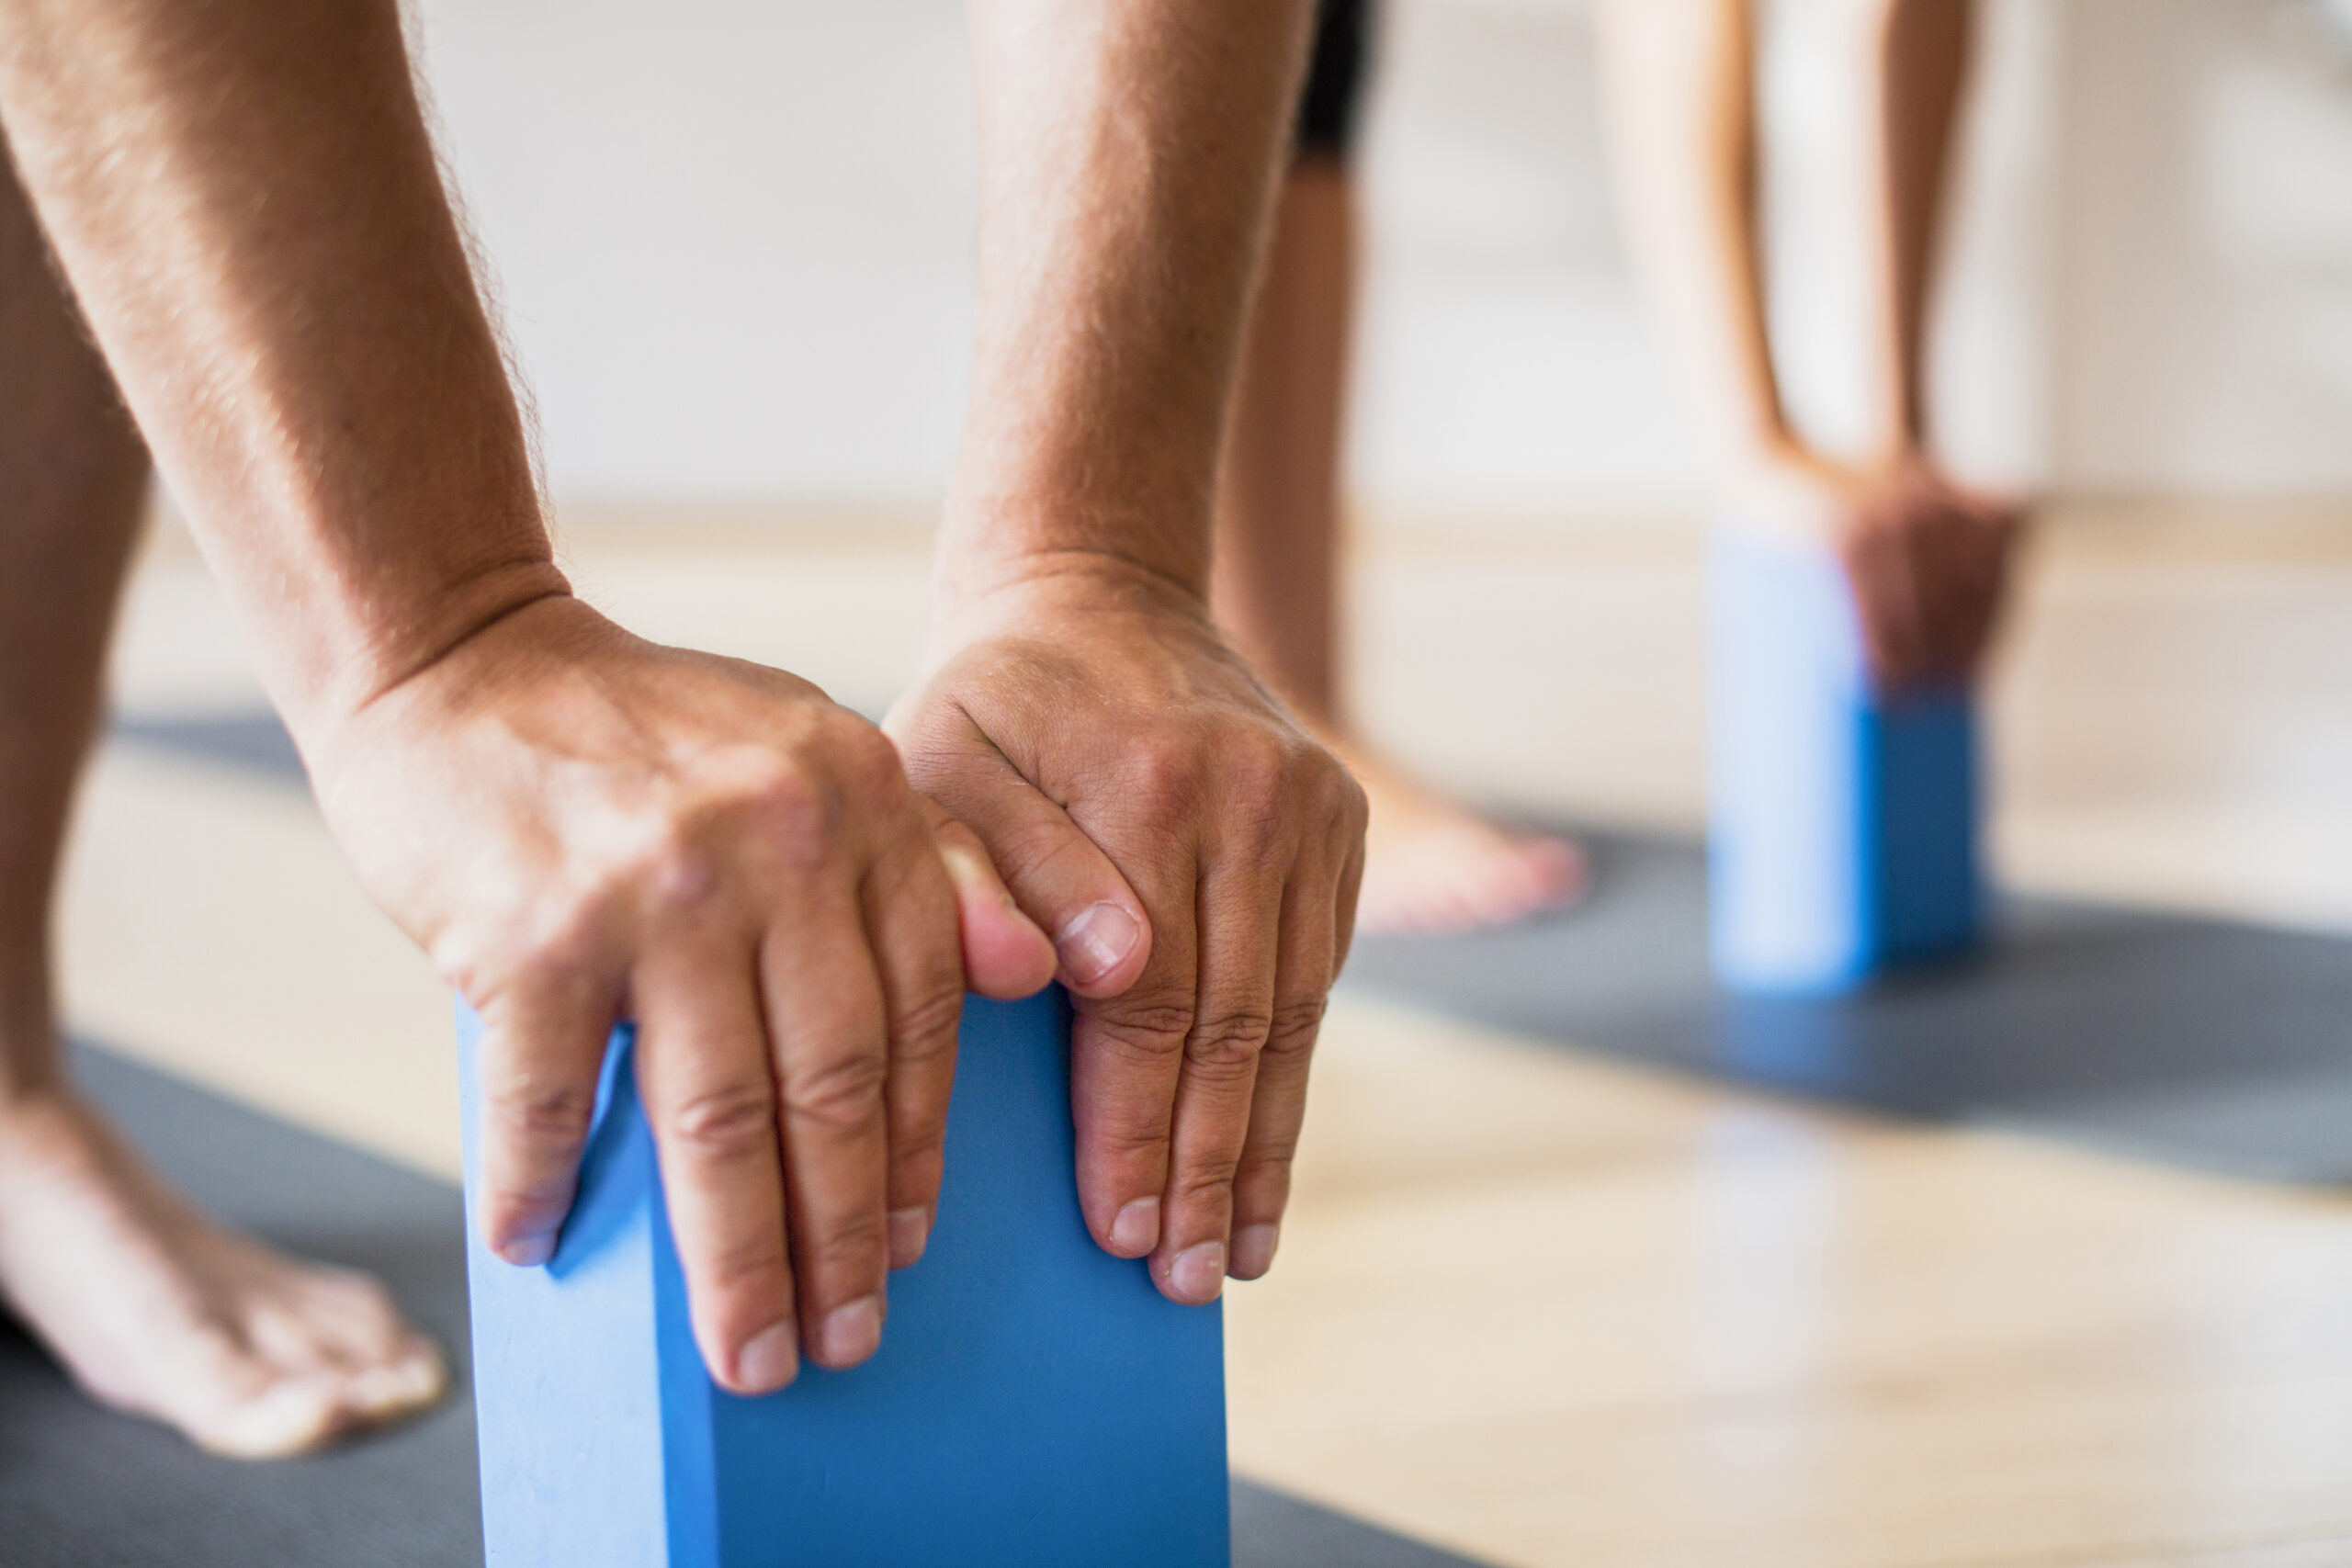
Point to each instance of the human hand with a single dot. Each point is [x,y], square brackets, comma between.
[1195,854]
[1927,560]
[579,825]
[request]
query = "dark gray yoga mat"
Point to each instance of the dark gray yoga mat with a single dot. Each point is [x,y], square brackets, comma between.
[2213,1043]
[80,1487]
[2207,1042]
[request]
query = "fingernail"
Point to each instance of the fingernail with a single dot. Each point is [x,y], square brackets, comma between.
[1135,1229]
[1096,940]
[1253,1251]
[851,1333]
[910,1233]
[769,1359]
[528,1251]
[1198,1272]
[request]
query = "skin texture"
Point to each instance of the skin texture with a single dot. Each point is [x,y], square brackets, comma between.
[574,823]
[1430,863]
[1926,558]
[578,825]
[155,1309]
[1191,848]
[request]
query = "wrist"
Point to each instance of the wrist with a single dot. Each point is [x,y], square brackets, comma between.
[992,559]
[405,642]
[1041,590]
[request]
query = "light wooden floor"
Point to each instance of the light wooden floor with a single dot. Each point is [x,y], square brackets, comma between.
[1542,1309]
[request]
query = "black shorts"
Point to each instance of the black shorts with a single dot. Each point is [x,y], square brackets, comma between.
[1335,72]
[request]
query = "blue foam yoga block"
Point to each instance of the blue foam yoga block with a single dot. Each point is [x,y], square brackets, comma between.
[1842,833]
[1035,1401]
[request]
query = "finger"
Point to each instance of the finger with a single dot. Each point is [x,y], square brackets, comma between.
[1068,886]
[827,1023]
[1991,541]
[910,919]
[1130,973]
[1964,587]
[1005,955]
[1240,925]
[1317,909]
[709,1093]
[1348,834]
[542,1050]
[1878,572]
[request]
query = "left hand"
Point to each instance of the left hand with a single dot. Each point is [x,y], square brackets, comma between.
[1193,854]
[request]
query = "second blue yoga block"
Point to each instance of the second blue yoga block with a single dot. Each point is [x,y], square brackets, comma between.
[1036,1404]
[1842,833]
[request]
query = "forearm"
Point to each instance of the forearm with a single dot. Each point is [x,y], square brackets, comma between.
[1911,58]
[1128,154]
[1678,74]
[244,198]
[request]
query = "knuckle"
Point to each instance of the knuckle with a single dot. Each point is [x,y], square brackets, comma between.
[1259,769]
[741,1263]
[916,1153]
[1164,770]
[922,1029]
[725,1124]
[1228,1044]
[1333,792]
[853,1244]
[667,871]
[841,1094]
[1268,1170]
[1147,1025]
[1296,1023]
[1124,1139]
[1206,1183]
[870,762]
[543,1119]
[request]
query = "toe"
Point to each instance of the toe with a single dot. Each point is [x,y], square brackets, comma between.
[293,1416]
[413,1379]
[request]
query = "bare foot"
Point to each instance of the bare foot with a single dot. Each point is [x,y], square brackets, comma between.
[157,1311]
[1432,865]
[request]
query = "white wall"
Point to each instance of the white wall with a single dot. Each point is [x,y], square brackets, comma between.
[732,236]
[2202,196]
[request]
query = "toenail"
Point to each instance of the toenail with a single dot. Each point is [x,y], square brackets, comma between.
[1136,1231]
[851,1333]
[1198,1272]
[769,1359]
[1253,1251]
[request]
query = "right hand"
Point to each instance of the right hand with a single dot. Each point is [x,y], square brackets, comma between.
[579,825]
[1927,560]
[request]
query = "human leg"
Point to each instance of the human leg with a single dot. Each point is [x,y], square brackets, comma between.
[1430,863]
[1925,559]
[150,1306]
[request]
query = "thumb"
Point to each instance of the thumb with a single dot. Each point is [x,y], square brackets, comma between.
[1005,955]
[1061,880]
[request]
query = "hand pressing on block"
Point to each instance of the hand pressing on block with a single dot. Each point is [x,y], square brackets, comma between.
[1199,878]
[576,824]
[1925,560]
[581,826]
[718,852]
[1192,851]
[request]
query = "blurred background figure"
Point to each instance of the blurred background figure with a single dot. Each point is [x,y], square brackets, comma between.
[1431,864]
[1926,558]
